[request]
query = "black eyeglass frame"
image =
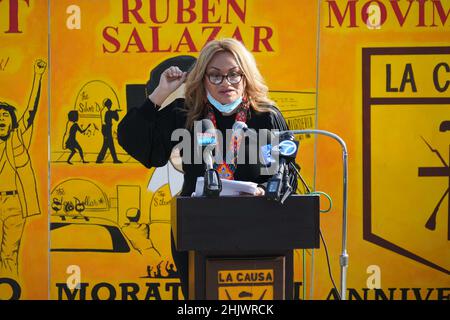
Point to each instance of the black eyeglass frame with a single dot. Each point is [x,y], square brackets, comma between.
[227,76]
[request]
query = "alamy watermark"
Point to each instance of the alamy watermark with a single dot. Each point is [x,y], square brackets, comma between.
[254,147]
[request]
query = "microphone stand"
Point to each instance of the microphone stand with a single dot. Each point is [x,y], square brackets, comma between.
[287,188]
[212,184]
[343,259]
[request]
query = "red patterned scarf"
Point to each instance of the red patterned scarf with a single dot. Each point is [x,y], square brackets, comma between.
[226,170]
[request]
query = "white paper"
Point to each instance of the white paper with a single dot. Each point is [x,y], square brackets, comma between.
[229,187]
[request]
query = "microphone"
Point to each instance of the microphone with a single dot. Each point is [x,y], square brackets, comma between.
[238,134]
[207,141]
[239,127]
[267,158]
[256,149]
[278,186]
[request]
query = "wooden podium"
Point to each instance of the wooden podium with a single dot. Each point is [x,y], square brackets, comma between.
[242,247]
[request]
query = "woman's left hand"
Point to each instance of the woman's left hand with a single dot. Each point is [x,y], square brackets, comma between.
[259,192]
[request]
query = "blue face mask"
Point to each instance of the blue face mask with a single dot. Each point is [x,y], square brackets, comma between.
[224,108]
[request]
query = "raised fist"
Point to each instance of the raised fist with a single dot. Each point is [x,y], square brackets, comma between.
[40,66]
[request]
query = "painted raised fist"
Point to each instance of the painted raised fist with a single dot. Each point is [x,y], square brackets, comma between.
[40,66]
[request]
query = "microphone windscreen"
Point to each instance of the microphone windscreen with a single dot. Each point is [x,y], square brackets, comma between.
[239,125]
[266,142]
[206,133]
[207,125]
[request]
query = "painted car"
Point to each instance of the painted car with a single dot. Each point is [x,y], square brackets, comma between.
[91,258]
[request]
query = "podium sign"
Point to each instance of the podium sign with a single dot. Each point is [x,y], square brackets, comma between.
[245,279]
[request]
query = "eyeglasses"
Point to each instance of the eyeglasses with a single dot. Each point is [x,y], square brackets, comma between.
[232,78]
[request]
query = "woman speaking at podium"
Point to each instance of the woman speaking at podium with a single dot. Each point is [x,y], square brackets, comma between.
[224,85]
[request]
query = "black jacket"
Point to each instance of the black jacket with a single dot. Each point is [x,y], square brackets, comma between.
[145,134]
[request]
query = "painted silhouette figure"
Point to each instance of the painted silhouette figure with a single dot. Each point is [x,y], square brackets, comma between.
[170,269]
[139,235]
[149,271]
[108,142]
[71,143]
[158,273]
[18,193]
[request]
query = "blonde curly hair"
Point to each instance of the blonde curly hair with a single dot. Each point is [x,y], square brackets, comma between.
[255,88]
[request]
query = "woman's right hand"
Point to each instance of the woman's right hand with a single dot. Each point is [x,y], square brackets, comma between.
[171,79]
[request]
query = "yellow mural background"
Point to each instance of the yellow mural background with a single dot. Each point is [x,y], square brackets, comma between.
[79,70]
[16,77]
[340,111]
[81,66]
